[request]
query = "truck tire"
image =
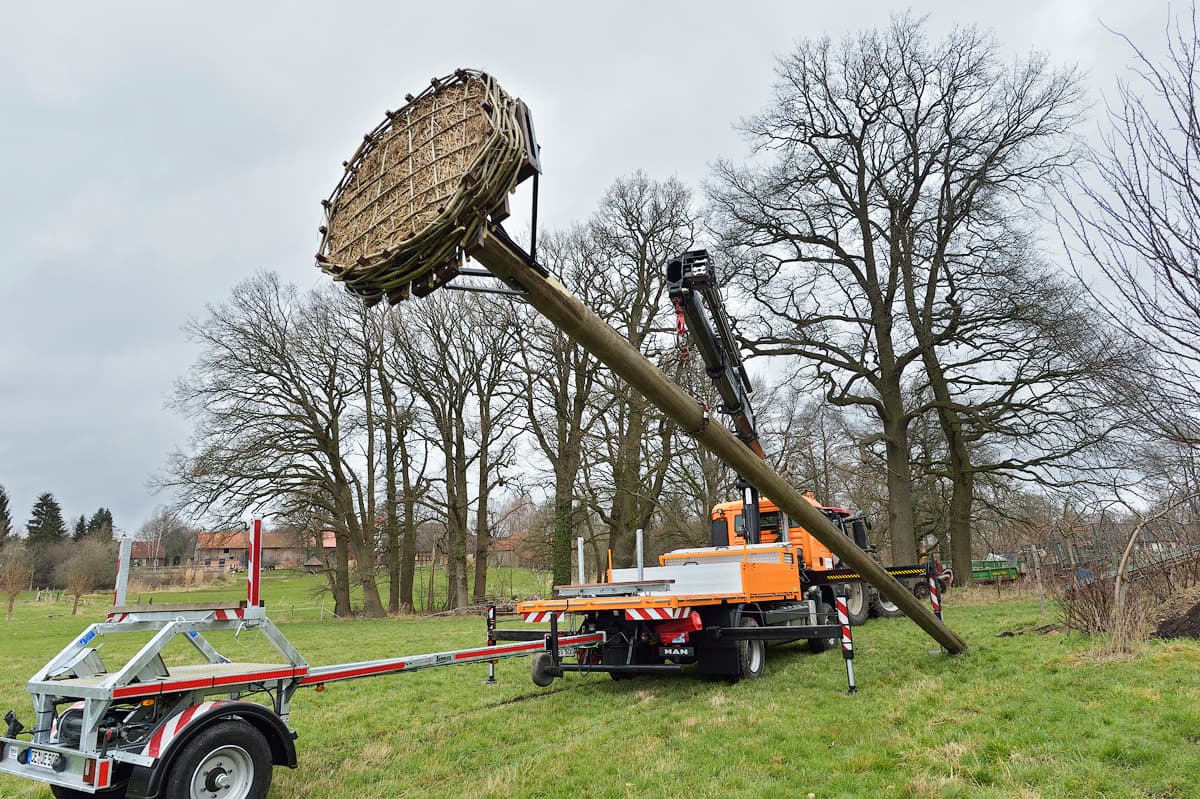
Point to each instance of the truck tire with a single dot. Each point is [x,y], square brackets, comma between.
[229,759]
[858,604]
[827,615]
[752,653]
[887,608]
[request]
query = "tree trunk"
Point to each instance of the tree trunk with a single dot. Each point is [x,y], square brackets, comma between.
[560,545]
[75,605]
[341,577]
[390,500]
[627,488]
[899,486]
[962,498]
[481,511]
[456,519]
[408,546]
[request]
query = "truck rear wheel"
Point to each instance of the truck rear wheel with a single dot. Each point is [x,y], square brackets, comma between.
[857,604]
[887,608]
[752,653]
[230,760]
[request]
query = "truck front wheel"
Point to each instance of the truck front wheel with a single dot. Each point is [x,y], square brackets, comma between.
[229,760]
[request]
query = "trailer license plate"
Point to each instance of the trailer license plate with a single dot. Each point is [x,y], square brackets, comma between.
[42,758]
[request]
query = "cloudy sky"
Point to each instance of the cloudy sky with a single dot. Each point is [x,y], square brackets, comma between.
[153,155]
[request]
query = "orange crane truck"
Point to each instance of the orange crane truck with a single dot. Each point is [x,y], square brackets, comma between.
[764,578]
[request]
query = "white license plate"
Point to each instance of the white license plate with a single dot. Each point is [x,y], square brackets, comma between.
[42,758]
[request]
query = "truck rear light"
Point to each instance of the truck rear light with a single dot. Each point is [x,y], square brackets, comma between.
[677,630]
[89,771]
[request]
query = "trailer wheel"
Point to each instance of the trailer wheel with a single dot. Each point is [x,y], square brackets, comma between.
[887,608]
[540,669]
[857,605]
[752,653]
[229,760]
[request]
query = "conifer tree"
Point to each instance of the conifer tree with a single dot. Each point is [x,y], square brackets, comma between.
[5,517]
[46,529]
[102,523]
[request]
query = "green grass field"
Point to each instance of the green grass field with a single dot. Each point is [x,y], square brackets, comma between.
[1026,715]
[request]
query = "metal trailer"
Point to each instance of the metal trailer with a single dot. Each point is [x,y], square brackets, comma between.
[146,729]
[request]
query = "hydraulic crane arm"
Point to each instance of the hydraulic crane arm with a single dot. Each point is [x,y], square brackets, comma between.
[692,287]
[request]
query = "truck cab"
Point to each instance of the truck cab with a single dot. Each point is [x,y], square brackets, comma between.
[774,527]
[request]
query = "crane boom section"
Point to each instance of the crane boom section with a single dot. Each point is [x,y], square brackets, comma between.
[692,287]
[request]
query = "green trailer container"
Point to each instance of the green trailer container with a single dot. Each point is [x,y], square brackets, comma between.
[986,571]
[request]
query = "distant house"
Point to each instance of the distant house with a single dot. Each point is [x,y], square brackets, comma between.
[225,550]
[230,550]
[147,553]
[519,549]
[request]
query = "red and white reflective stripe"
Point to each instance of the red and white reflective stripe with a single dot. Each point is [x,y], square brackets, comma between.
[844,621]
[168,732]
[116,618]
[934,598]
[202,683]
[229,615]
[539,616]
[655,614]
[351,671]
[253,563]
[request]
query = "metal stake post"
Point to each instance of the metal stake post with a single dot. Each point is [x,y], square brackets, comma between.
[491,630]
[119,595]
[935,597]
[847,641]
[254,566]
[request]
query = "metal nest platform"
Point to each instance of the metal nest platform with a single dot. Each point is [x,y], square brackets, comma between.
[422,184]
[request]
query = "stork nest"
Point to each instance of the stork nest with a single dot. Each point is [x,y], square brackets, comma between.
[421,185]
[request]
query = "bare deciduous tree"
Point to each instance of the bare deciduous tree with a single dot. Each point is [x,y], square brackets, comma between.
[1138,220]
[89,565]
[273,394]
[560,391]
[457,354]
[639,225]
[890,169]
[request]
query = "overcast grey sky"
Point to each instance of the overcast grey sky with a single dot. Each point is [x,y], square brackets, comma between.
[153,155]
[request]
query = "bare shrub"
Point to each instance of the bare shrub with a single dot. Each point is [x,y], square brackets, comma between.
[16,571]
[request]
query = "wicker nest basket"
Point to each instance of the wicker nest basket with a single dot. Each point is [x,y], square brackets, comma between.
[422,183]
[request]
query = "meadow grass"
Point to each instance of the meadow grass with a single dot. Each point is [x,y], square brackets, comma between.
[1020,715]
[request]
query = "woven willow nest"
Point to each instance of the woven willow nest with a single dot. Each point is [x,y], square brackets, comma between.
[421,185]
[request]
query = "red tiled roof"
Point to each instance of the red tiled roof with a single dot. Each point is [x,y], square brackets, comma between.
[226,540]
[145,550]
